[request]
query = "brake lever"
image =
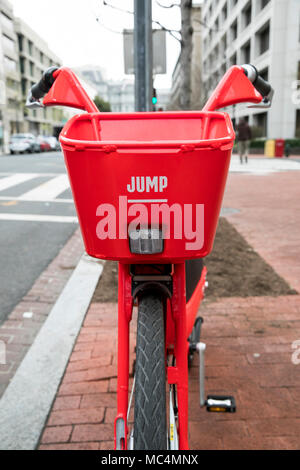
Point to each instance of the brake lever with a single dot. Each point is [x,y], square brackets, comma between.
[266,102]
[32,103]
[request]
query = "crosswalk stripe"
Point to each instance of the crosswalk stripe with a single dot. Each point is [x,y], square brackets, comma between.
[39,218]
[47,191]
[50,175]
[16,179]
[61,201]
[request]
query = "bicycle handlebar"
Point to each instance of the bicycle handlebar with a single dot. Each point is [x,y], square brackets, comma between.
[40,89]
[233,88]
[64,79]
[241,84]
[261,85]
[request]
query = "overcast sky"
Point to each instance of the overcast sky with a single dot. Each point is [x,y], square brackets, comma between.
[71,30]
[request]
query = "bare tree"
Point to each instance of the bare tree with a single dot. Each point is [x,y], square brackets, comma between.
[186,53]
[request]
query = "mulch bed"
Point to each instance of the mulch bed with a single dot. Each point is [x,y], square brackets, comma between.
[234,270]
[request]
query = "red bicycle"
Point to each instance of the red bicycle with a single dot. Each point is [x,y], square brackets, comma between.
[148,190]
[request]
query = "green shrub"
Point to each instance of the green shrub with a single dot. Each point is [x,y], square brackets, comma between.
[102,105]
[257,144]
[260,143]
[293,142]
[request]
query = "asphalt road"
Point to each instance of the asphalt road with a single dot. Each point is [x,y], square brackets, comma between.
[37,217]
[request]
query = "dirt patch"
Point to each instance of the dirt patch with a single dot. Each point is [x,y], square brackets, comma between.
[107,288]
[234,270]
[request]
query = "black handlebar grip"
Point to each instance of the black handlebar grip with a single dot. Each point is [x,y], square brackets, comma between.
[262,86]
[43,86]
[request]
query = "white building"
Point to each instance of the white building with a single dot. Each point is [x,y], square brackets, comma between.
[34,58]
[266,34]
[11,111]
[119,94]
[96,77]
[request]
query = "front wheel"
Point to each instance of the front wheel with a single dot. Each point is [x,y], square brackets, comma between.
[150,422]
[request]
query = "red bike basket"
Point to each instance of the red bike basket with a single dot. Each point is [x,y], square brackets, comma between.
[122,164]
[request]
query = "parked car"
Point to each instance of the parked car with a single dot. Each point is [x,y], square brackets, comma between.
[54,144]
[23,143]
[43,143]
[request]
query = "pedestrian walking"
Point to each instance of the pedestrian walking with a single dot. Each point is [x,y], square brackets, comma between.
[287,150]
[244,136]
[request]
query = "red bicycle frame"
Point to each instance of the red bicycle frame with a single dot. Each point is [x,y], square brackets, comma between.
[180,320]
[235,87]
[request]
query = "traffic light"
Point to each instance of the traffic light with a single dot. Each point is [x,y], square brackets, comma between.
[154,97]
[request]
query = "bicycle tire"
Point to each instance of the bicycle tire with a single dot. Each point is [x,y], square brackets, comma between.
[150,423]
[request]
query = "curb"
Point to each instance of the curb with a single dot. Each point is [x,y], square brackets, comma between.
[26,403]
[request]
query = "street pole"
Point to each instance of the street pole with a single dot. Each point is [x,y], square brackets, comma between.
[143,58]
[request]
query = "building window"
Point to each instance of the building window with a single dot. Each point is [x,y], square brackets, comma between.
[12,84]
[41,57]
[261,121]
[247,14]
[31,68]
[30,47]
[22,65]
[216,55]
[20,41]
[246,53]
[264,3]
[223,45]
[7,22]
[24,86]
[8,43]
[9,64]
[224,13]
[263,39]
[233,30]
[233,60]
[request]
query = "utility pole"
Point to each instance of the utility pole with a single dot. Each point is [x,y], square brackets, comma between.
[143,58]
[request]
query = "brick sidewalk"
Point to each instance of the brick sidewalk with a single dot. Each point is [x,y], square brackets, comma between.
[269,218]
[249,355]
[249,345]
[18,331]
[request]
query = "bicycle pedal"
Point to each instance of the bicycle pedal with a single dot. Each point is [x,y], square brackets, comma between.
[220,404]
